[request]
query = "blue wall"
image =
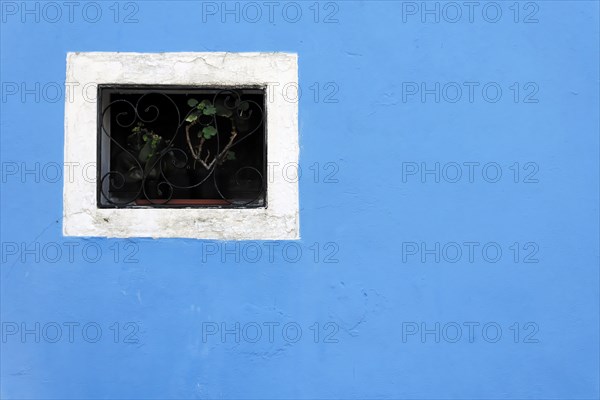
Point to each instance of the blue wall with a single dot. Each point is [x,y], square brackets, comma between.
[387,288]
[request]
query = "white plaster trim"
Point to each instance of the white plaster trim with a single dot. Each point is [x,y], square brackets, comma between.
[279,221]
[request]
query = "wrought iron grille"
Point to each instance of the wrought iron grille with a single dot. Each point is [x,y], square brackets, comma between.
[165,146]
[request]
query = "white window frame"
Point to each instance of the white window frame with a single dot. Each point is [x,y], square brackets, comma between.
[274,71]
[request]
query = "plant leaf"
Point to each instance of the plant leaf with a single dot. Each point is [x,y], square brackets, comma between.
[209,131]
[192,102]
[209,110]
[145,152]
[192,117]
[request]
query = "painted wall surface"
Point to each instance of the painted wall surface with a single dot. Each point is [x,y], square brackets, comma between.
[397,288]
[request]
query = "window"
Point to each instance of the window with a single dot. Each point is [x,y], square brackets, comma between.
[185,145]
[181,147]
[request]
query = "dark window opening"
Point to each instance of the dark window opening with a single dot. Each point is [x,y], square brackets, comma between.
[167,146]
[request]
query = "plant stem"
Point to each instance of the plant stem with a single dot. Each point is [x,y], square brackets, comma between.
[197,155]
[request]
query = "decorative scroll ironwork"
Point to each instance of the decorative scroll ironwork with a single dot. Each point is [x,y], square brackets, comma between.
[159,158]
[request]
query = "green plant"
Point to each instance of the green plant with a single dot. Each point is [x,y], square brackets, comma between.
[203,109]
[139,161]
[151,141]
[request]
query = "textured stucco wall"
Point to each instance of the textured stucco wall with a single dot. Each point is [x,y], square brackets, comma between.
[377,258]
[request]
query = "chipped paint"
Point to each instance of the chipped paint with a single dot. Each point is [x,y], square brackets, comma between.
[279,221]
